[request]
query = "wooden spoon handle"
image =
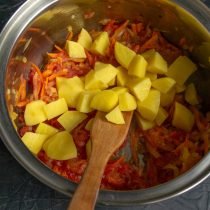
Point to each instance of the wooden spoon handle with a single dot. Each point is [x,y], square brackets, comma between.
[86,194]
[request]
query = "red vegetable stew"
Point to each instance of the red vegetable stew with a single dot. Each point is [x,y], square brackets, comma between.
[158,154]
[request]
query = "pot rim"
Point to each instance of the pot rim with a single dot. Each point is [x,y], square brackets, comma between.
[8,37]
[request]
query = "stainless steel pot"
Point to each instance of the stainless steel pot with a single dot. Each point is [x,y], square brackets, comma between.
[37,25]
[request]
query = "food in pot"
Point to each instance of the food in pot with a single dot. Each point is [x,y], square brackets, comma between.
[124,66]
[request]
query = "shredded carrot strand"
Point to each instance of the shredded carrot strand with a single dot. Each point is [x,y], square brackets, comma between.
[47,73]
[69,36]
[58,48]
[33,29]
[21,95]
[37,69]
[64,72]
[151,43]
[120,30]
[43,88]
[22,103]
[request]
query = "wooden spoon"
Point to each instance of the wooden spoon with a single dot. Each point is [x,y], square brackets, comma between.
[106,139]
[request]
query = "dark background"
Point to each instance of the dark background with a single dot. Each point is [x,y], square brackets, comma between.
[20,191]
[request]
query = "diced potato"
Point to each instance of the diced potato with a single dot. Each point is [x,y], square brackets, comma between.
[148,108]
[69,89]
[144,124]
[34,113]
[60,146]
[71,119]
[183,118]
[139,87]
[101,44]
[104,101]
[150,75]
[180,88]
[112,82]
[191,95]
[166,99]
[123,54]
[147,54]
[122,76]
[34,141]
[84,99]
[46,129]
[115,116]
[85,39]
[164,84]
[13,116]
[55,108]
[157,64]
[75,50]
[161,116]
[88,148]
[137,67]
[120,90]
[92,83]
[89,125]
[105,72]
[181,69]
[127,102]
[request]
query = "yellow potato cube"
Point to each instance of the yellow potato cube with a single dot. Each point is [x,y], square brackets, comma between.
[120,90]
[69,89]
[166,99]
[55,108]
[115,116]
[71,119]
[105,72]
[75,50]
[104,101]
[34,141]
[46,129]
[84,99]
[112,82]
[157,64]
[139,87]
[147,54]
[191,95]
[148,108]
[60,146]
[164,84]
[123,54]
[88,148]
[161,116]
[127,102]
[137,67]
[181,69]
[144,124]
[85,39]
[180,88]
[100,44]
[34,113]
[89,125]
[152,76]
[92,83]
[122,76]
[183,118]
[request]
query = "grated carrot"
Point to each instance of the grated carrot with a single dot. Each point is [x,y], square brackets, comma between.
[37,69]
[119,31]
[63,72]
